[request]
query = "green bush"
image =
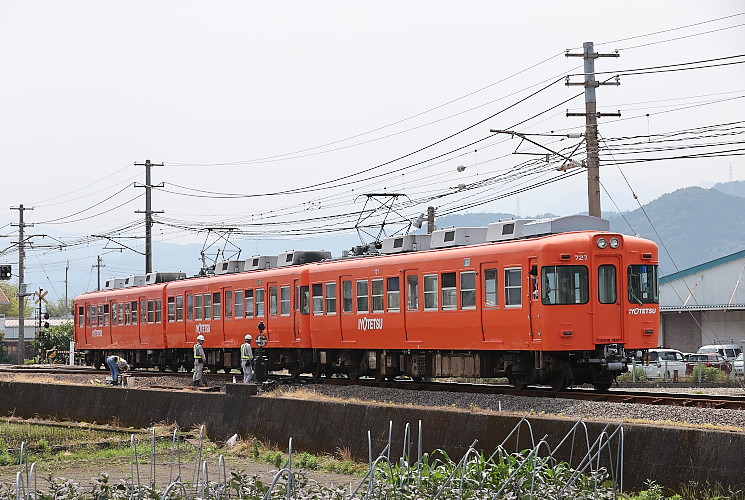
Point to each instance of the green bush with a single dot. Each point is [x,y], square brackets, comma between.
[702,373]
[307,461]
[641,376]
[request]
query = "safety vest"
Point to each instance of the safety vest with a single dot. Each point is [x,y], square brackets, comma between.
[196,352]
[245,351]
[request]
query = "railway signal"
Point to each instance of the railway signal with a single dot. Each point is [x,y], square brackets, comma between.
[5,272]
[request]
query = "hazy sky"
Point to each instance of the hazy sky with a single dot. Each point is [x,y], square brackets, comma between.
[252,98]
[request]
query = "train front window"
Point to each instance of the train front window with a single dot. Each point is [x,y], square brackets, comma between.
[565,285]
[643,288]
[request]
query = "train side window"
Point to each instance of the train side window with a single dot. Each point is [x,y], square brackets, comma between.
[179,308]
[430,292]
[468,290]
[565,285]
[171,309]
[413,292]
[216,305]
[105,315]
[198,307]
[99,309]
[513,287]
[239,304]
[88,315]
[143,312]
[363,300]
[135,315]
[273,301]
[317,298]
[330,298]
[490,287]
[158,313]
[304,300]
[123,315]
[114,318]
[607,285]
[394,294]
[449,292]
[377,295]
[284,301]
[348,298]
[228,304]
[260,292]
[249,303]
[189,307]
[81,316]
[207,303]
[151,311]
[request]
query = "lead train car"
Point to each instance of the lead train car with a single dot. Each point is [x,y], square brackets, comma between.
[561,309]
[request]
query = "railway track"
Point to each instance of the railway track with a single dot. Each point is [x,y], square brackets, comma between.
[615,396]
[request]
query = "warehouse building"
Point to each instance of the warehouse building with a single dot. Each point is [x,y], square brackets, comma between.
[704,304]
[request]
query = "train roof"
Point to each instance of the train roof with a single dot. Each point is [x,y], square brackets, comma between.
[506,231]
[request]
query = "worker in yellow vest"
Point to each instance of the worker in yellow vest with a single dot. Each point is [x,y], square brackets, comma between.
[247,358]
[198,362]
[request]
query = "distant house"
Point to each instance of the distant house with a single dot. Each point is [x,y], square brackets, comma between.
[704,304]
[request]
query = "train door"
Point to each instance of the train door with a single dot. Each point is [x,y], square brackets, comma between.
[189,325]
[144,327]
[347,319]
[412,305]
[297,324]
[607,316]
[534,281]
[491,304]
[222,304]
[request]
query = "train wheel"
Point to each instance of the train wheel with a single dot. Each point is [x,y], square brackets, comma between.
[316,371]
[296,370]
[379,377]
[353,373]
[602,387]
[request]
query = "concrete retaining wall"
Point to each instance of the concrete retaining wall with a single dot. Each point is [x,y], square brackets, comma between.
[669,455]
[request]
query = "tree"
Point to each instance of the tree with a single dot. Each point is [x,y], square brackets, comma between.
[4,356]
[54,336]
[11,310]
[57,309]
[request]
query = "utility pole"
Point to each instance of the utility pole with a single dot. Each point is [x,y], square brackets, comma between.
[67,269]
[148,214]
[21,285]
[99,266]
[430,219]
[591,122]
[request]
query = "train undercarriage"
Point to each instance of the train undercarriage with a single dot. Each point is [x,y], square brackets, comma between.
[558,370]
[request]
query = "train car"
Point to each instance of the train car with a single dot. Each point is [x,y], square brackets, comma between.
[556,309]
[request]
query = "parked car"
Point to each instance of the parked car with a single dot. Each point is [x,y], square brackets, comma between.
[663,363]
[727,351]
[710,359]
[739,365]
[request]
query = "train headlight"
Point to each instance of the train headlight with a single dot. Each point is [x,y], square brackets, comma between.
[614,242]
[602,243]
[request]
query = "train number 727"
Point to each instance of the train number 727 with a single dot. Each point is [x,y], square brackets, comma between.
[580,257]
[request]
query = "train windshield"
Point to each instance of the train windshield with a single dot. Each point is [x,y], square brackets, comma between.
[565,285]
[643,288]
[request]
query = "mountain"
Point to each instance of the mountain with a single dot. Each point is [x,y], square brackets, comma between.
[734,188]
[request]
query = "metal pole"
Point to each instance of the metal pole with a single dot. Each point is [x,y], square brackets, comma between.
[430,219]
[21,288]
[67,268]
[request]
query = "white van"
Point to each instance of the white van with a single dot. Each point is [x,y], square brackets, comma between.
[728,351]
[663,363]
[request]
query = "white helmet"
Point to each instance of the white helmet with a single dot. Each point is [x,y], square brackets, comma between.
[200,337]
[249,338]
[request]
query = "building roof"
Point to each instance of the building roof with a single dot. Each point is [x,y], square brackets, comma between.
[702,267]
[3,297]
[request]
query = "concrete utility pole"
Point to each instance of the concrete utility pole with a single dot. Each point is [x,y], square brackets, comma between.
[21,285]
[430,219]
[591,122]
[99,266]
[148,214]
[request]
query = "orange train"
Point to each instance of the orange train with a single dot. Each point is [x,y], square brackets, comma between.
[556,309]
